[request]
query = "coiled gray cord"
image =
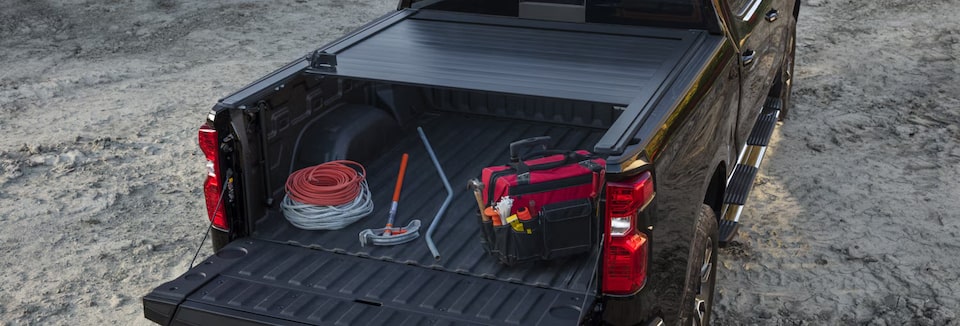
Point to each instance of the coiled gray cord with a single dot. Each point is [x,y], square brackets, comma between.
[310,217]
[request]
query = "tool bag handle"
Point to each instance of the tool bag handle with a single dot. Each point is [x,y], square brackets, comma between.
[528,143]
[569,157]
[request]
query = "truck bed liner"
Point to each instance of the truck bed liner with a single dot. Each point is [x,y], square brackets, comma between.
[464,145]
[589,62]
[259,282]
[284,275]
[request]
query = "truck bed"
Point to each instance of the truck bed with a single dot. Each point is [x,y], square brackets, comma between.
[464,145]
[285,275]
[259,282]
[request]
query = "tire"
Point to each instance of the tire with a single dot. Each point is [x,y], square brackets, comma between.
[784,84]
[701,279]
[219,239]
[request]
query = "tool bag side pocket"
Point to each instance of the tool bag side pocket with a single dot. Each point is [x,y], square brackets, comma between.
[487,236]
[567,228]
[526,244]
[512,247]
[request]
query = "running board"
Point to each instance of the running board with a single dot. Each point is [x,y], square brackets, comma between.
[745,172]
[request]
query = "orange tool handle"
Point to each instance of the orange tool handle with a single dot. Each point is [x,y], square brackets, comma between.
[493,215]
[403,170]
[524,214]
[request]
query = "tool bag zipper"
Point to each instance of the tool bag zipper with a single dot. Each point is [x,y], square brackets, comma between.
[527,189]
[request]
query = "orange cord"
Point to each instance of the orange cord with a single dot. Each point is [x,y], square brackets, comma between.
[329,184]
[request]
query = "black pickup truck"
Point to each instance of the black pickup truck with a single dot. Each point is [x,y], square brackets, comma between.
[680,98]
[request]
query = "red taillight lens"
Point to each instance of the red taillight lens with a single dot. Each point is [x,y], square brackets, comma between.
[625,250]
[210,145]
[625,265]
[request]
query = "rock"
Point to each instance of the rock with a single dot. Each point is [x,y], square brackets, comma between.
[115,301]
[37,160]
[73,156]
[893,301]
[765,314]
[922,165]
[816,147]
[934,57]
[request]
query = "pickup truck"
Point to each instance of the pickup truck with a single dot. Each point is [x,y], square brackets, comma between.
[680,97]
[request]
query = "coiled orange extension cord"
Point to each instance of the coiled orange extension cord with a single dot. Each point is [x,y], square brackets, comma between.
[328,196]
[329,184]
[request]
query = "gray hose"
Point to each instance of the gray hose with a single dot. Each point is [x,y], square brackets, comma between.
[310,217]
[446,202]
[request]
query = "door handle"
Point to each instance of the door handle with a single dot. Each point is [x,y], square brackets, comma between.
[747,57]
[772,15]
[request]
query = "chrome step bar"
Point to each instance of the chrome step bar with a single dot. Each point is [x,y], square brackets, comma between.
[745,171]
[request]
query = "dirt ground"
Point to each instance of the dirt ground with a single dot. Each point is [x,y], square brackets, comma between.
[855,218]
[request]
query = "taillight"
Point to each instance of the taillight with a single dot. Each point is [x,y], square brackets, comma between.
[625,247]
[210,145]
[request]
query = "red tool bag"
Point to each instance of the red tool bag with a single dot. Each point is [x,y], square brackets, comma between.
[553,211]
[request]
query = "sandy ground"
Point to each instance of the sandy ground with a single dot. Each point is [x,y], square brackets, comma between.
[854,218]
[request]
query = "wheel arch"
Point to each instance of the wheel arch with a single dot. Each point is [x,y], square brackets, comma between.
[716,187]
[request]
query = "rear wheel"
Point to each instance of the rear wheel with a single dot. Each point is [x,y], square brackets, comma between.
[784,83]
[701,272]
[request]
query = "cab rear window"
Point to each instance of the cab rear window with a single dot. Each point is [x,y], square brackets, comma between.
[665,13]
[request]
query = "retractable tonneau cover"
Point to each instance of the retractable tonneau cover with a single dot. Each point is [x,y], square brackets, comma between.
[595,63]
[628,66]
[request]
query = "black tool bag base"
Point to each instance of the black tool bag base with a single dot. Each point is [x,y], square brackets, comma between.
[562,229]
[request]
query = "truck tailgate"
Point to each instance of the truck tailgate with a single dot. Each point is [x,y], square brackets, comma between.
[260,282]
